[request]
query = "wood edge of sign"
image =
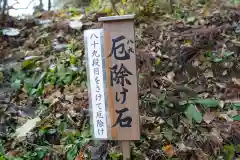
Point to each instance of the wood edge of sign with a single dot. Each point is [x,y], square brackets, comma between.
[110,91]
[117,18]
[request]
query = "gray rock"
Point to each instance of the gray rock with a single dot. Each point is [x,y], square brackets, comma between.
[11,31]
[60,47]
[76,24]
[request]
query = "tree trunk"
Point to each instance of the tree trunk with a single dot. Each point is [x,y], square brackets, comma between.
[40,5]
[171,6]
[49,5]
[4,7]
[0,5]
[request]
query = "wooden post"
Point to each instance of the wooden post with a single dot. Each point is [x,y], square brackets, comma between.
[126,150]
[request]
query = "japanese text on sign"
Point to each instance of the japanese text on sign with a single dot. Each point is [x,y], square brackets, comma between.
[119,75]
[96,82]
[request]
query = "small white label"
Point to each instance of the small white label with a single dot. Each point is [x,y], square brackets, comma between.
[95,69]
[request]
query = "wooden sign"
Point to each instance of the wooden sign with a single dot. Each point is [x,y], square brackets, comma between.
[121,77]
[112,79]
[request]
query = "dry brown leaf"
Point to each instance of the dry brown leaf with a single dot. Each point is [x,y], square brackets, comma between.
[13,153]
[22,96]
[146,118]
[170,76]
[206,11]
[216,133]
[27,127]
[225,73]
[226,117]
[48,89]
[221,85]
[169,150]
[204,95]
[236,80]
[183,147]
[54,96]
[232,113]
[232,101]
[54,101]
[208,74]
[221,104]
[80,156]
[46,158]
[69,98]
[208,117]
[196,63]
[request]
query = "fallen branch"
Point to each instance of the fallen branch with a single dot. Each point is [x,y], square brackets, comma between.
[203,31]
[11,7]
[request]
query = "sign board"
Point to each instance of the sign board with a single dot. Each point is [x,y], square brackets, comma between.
[96,88]
[119,91]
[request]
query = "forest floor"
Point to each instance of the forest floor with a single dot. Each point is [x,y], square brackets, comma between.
[189,81]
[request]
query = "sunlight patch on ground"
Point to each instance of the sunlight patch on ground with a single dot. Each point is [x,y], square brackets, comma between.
[25,7]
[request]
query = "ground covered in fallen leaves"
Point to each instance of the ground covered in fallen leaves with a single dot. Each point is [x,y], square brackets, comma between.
[189,83]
